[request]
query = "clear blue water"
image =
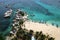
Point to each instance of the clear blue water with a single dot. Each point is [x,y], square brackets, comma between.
[42,11]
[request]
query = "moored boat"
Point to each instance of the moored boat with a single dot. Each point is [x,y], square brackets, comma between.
[8,13]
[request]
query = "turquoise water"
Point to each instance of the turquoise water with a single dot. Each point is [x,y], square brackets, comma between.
[55,18]
[41,11]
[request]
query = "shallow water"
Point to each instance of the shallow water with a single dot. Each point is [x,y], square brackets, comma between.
[40,10]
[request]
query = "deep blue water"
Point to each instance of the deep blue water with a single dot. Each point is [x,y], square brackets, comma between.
[42,10]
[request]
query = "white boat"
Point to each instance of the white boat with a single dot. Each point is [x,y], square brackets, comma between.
[8,13]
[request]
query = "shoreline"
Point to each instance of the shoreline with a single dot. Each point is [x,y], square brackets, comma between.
[46,29]
[46,22]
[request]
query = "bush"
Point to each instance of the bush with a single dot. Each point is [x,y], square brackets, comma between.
[22,13]
[1,37]
[21,22]
[51,38]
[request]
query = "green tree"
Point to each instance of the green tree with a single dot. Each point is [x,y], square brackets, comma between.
[36,35]
[51,38]
[1,37]
[22,13]
[21,22]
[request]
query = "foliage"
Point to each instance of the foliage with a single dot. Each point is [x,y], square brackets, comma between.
[22,13]
[21,22]
[1,37]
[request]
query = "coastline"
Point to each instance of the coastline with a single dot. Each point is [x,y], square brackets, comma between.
[46,29]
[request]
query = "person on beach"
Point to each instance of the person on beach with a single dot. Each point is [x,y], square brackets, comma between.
[32,38]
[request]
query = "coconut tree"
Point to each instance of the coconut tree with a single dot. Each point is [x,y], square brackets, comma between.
[41,36]
[21,22]
[30,34]
[51,38]
[22,13]
[36,35]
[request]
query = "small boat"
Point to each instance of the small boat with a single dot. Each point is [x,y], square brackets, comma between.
[8,13]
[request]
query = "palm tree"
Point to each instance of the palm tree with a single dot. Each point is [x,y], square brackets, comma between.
[36,35]
[30,33]
[41,36]
[22,13]
[51,38]
[21,22]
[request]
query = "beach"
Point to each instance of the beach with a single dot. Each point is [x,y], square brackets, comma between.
[37,8]
[45,28]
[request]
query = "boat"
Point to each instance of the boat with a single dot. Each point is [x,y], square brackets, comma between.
[8,13]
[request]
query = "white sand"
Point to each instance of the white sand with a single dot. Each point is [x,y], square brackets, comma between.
[47,29]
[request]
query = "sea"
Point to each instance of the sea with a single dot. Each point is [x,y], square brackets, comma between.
[38,10]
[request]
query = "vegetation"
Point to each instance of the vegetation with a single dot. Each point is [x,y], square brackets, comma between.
[22,34]
[1,37]
[22,13]
[21,22]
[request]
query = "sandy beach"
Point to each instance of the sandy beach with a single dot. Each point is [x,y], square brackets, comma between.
[46,29]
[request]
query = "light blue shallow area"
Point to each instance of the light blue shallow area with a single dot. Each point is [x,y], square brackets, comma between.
[32,7]
[38,9]
[52,9]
